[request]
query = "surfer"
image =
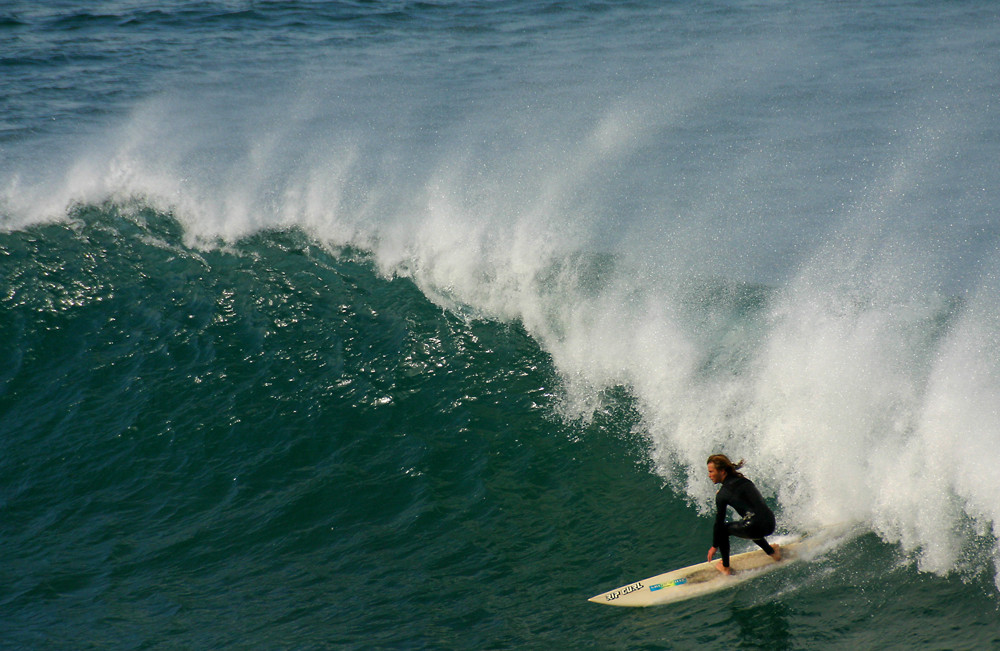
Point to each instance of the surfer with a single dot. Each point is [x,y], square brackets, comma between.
[757,520]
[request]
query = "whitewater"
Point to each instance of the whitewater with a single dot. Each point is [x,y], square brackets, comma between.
[773,227]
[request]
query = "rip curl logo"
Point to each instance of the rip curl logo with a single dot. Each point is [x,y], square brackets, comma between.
[668,584]
[621,592]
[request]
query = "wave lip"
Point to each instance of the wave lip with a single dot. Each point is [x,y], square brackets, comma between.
[783,248]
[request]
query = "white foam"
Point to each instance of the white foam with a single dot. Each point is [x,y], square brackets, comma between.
[631,234]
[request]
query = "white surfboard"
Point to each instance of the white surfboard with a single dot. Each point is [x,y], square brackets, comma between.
[700,579]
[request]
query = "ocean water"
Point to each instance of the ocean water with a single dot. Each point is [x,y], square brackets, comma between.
[410,325]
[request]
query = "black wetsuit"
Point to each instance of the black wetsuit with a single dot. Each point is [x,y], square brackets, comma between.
[757,519]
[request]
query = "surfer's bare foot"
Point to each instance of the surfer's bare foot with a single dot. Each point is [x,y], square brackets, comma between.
[777,552]
[728,571]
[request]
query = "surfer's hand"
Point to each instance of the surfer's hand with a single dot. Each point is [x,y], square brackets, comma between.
[711,553]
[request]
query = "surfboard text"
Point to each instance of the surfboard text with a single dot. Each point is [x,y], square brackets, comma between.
[621,592]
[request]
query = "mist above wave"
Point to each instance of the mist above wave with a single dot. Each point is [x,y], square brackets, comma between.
[783,242]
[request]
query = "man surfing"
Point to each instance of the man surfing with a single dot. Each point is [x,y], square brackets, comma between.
[757,520]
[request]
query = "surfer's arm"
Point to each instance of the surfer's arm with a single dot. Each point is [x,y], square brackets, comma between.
[719,526]
[720,536]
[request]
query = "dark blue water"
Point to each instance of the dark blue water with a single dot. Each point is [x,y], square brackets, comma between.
[411,324]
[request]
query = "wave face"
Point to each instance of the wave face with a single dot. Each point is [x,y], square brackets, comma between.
[350,284]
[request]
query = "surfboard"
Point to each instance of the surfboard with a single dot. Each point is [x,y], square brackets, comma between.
[700,579]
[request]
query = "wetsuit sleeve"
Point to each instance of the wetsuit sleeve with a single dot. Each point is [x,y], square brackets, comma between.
[720,537]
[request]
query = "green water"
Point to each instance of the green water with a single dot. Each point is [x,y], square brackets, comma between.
[267,445]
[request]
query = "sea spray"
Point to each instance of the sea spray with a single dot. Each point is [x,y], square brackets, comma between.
[780,245]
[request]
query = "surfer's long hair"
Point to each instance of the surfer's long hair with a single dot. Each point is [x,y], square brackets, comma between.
[722,462]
